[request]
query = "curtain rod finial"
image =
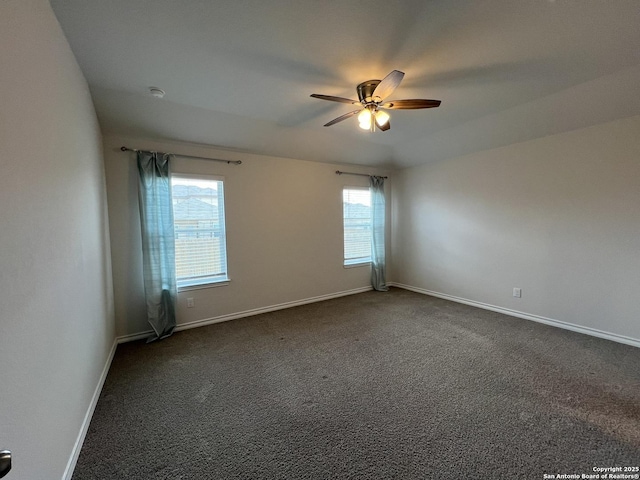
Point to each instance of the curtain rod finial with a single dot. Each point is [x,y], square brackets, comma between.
[124,149]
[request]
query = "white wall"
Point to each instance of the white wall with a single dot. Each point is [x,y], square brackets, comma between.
[56,302]
[558,217]
[284,232]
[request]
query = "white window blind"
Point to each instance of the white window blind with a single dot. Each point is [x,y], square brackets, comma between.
[356,206]
[198,216]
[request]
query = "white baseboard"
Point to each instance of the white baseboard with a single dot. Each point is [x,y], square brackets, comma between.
[84,428]
[246,313]
[527,316]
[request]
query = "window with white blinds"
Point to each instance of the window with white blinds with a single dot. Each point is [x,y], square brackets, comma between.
[198,216]
[356,210]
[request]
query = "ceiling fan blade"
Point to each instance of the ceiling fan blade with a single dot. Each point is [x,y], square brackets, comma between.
[335,99]
[342,117]
[385,127]
[387,86]
[411,104]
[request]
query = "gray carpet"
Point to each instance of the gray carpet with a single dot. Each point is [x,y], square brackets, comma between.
[372,386]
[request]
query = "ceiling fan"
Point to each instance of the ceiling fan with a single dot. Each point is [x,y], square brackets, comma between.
[372,94]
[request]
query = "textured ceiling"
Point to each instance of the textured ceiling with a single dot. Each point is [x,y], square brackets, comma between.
[238,74]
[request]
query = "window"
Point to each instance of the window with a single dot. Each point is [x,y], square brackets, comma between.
[198,216]
[356,209]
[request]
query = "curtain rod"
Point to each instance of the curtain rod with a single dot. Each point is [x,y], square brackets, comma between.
[234,162]
[338,172]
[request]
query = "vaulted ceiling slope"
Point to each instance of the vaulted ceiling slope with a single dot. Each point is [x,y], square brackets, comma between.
[238,74]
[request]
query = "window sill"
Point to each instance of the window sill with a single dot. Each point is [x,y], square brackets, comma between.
[356,265]
[219,283]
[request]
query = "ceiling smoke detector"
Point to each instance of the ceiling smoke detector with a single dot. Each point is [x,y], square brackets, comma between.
[156,92]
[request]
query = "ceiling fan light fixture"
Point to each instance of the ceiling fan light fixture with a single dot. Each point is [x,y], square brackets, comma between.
[365,126]
[382,117]
[364,119]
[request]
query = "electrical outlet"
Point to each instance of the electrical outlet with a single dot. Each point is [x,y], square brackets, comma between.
[517,292]
[190,302]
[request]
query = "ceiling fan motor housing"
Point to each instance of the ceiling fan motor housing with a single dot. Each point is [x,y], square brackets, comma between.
[365,90]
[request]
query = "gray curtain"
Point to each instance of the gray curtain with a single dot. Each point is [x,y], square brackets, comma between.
[378,265]
[158,242]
